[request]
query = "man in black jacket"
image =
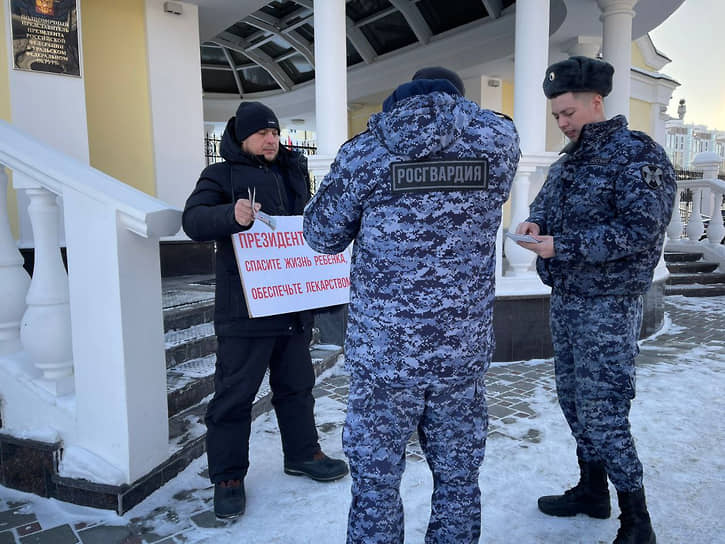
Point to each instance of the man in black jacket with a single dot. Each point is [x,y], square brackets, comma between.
[217,208]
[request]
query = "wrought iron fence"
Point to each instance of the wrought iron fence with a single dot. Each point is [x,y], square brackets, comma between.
[212,143]
[211,149]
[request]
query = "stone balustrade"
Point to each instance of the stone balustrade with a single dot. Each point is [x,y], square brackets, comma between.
[82,352]
[707,200]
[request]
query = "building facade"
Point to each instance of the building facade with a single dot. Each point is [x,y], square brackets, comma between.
[101,162]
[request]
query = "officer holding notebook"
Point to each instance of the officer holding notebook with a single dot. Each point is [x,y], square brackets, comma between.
[420,194]
[599,221]
[257,175]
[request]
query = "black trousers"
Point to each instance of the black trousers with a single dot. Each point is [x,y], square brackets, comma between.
[240,368]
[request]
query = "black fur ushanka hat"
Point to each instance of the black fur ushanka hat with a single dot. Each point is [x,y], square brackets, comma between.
[578,74]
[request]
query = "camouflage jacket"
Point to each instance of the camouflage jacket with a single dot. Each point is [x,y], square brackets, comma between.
[607,203]
[422,272]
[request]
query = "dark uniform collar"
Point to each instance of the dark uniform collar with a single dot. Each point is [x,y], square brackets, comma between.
[593,135]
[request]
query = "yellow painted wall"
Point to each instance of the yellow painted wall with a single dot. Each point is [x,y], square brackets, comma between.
[5,110]
[640,115]
[507,98]
[507,108]
[640,112]
[4,78]
[115,71]
[638,59]
[357,120]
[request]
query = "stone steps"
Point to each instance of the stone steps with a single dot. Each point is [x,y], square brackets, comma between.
[715,290]
[190,359]
[190,341]
[697,267]
[680,279]
[190,362]
[691,276]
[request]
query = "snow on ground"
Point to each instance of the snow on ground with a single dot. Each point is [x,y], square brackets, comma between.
[678,420]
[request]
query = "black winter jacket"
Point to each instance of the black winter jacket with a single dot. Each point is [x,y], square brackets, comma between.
[209,215]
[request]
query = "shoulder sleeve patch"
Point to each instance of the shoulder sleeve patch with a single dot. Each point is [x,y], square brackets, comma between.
[652,175]
[428,176]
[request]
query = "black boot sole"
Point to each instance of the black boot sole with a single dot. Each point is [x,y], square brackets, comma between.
[597,513]
[332,478]
[229,517]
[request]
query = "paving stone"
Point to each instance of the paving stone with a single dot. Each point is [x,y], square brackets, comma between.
[28,529]
[207,520]
[499,411]
[510,387]
[15,517]
[108,534]
[63,534]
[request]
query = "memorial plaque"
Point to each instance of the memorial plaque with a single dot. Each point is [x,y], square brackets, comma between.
[45,36]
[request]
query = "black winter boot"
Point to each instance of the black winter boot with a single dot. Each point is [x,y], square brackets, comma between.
[636,527]
[320,468]
[229,499]
[590,496]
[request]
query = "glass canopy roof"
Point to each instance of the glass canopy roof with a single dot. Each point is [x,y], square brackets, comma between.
[273,48]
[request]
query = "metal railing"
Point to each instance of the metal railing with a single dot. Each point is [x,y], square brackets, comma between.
[212,143]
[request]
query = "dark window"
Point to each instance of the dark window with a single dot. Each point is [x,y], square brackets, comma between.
[213,55]
[360,9]
[242,29]
[298,69]
[218,81]
[275,50]
[239,59]
[389,33]
[307,32]
[280,9]
[257,80]
[442,16]
[353,57]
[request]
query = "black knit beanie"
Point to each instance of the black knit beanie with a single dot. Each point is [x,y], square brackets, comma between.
[251,117]
[438,72]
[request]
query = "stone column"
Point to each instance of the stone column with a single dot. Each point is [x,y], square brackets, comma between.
[584,46]
[330,83]
[531,51]
[14,280]
[616,19]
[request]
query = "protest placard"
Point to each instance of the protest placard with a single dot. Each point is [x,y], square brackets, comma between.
[281,273]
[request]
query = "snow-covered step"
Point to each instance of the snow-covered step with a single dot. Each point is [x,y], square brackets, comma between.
[191,343]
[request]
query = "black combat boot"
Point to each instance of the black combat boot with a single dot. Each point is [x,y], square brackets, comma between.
[590,496]
[636,527]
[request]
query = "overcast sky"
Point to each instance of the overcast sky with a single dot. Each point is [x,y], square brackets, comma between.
[694,38]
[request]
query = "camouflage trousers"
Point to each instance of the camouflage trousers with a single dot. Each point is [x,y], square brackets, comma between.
[451,421]
[595,345]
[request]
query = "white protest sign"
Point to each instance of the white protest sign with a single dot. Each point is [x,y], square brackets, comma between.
[281,273]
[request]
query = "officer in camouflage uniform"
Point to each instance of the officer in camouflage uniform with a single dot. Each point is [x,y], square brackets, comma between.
[601,218]
[420,194]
